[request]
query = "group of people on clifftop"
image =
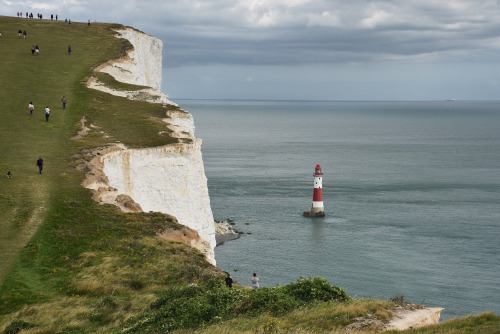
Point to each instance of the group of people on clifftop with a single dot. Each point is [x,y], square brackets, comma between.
[31,108]
[40,16]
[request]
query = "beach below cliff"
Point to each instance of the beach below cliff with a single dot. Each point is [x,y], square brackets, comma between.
[224,232]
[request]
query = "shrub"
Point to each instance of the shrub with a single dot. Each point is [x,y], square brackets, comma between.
[317,288]
[397,299]
[188,307]
[274,301]
[271,326]
[194,305]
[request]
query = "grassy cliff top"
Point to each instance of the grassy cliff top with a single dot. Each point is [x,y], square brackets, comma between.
[43,80]
[58,246]
[71,265]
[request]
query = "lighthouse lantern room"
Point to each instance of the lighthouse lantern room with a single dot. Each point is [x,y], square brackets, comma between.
[317,209]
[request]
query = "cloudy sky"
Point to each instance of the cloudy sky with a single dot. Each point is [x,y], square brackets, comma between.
[311,49]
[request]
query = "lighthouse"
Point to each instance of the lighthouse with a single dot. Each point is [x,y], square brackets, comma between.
[317,209]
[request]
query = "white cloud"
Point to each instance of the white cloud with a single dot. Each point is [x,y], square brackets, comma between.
[376,18]
[324,19]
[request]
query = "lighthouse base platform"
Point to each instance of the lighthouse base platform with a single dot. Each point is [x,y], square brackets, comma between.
[313,214]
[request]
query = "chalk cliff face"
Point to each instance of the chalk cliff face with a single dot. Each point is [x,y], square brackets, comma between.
[170,179]
[143,64]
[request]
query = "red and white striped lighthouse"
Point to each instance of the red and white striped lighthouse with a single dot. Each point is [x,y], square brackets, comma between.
[317,209]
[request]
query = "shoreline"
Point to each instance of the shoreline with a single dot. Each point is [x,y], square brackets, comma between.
[224,232]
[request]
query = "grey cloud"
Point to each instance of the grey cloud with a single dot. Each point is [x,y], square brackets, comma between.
[303,31]
[220,35]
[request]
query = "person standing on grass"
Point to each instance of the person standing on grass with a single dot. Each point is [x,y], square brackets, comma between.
[69,49]
[63,100]
[20,32]
[255,281]
[47,113]
[32,50]
[37,50]
[39,163]
[31,107]
[24,34]
[229,281]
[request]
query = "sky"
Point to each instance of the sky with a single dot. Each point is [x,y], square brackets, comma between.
[310,49]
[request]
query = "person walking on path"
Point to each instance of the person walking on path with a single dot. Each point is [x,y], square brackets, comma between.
[229,281]
[255,281]
[63,100]
[69,49]
[47,113]
[31,107]
[39,163]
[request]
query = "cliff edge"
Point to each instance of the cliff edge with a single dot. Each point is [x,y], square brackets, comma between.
[169,179]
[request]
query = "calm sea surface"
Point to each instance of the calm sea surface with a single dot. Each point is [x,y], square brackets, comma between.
[411,193]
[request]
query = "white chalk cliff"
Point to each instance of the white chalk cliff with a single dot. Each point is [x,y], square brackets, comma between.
[169,179]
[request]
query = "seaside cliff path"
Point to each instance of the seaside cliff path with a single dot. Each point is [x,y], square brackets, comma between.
[20,223]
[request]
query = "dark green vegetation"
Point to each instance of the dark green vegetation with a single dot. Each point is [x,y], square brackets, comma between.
[193,306]
[71,265]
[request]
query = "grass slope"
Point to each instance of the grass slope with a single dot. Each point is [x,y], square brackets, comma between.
[58,246]
[71,265]
[43,80]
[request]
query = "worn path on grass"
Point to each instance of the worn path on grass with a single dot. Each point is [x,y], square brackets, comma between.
[18,228]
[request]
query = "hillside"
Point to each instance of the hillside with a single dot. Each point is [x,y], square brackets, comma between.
[70,264]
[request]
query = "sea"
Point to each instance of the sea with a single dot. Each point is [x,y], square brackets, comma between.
[411,193]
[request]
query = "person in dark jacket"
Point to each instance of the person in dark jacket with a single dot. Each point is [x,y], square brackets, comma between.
[39,163]
[229,281]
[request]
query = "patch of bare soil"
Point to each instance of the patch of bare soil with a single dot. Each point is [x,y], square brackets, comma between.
[405,316]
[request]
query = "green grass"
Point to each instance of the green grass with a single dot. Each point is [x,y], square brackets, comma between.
[331,318]
[43,80]
[110,82]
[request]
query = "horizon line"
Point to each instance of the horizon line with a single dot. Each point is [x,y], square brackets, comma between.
[313,100]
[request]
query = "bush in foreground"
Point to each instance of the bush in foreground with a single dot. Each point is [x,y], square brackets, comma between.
[194,306]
